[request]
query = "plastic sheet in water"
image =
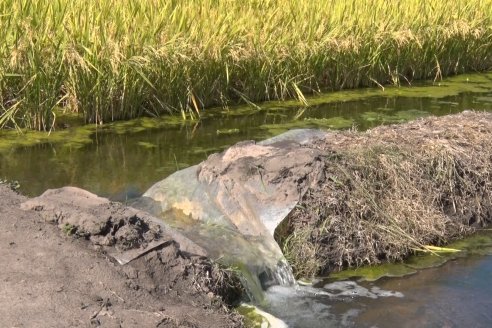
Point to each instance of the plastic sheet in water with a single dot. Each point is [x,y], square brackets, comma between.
[231,203]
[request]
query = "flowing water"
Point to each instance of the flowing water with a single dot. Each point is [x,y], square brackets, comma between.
[127,158]
[453,290]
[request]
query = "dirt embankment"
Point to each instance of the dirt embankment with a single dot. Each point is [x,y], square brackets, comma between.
[68,277]
[384,193]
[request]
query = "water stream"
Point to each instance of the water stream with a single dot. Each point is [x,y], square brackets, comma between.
[453,290]
[126,160]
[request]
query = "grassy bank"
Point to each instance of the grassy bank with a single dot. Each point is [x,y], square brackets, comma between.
[111,60]
[391,191]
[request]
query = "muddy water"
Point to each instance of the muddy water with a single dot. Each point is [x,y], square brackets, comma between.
[126,160]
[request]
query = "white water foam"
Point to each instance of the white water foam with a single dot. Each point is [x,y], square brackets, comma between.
[352,289]
[307,306]
[283,274]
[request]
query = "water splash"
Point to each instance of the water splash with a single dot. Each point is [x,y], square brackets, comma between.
[283,274]
[313,307]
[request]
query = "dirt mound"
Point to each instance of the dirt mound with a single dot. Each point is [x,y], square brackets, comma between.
[68,277]
[389,191]
[123,232]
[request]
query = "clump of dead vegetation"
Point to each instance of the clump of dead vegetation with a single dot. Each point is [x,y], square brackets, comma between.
[219,281]
[390,191]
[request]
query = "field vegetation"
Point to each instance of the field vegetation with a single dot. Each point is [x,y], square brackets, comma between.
[110,60]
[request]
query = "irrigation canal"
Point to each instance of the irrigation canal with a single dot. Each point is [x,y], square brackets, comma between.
[123,163]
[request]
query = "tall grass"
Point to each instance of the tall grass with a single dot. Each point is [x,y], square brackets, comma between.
[112,59]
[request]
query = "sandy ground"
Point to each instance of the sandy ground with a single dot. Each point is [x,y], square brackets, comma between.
[49,278]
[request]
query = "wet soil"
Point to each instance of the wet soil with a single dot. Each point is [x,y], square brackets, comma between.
[52,277]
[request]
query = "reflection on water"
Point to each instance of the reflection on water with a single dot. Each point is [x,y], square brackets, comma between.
[459,294]
[124,165]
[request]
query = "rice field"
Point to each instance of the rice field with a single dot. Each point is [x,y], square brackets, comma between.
[112,59]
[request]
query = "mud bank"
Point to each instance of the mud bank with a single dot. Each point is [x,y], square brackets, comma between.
[59,268]
[384,194]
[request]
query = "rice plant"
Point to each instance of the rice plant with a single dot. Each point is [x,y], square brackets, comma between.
[110,60]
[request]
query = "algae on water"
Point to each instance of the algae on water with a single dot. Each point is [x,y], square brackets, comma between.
[374,272]
[398,117]
[256,318]
[314,123]
[76,136]
[480,243]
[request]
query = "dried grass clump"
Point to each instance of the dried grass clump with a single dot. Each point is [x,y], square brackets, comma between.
[223,282]
[389,191]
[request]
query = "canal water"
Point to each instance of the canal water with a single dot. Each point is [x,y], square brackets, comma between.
[453,293]
[125,159]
